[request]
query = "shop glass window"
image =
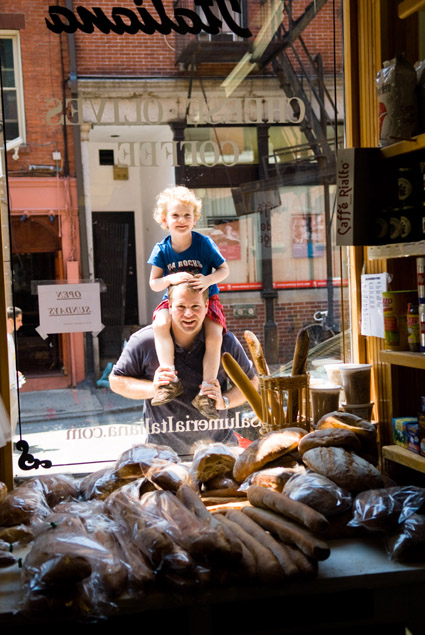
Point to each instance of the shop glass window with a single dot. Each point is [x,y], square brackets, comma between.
[220,146]
[80,205]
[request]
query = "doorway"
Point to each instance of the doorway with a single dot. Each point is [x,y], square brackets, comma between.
[115,265]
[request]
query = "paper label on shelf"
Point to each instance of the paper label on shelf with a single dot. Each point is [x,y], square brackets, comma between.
[372,287]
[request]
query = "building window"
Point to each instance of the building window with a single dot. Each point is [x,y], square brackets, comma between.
[226,34]
[12,87]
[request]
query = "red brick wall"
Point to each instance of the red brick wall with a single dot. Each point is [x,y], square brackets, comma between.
[289,317]
[153,55]
[42,79]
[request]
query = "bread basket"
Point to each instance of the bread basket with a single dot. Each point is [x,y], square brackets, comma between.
[285,402]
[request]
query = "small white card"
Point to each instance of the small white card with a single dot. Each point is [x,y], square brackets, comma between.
[372,287]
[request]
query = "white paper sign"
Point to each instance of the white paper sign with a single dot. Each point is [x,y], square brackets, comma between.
[69,308]
[373,285]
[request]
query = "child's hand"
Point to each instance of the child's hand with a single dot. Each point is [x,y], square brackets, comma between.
[177,278]
[199,282]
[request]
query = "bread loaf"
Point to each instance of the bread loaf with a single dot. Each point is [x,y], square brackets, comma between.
[266,449]
[325,437]
[211,460]
[345,468]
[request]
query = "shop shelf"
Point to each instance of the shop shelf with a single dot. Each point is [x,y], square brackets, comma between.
[404,457]
[403,358]
[396,250]
[403,147]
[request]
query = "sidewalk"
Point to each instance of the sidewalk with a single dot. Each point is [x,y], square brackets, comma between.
[44,405]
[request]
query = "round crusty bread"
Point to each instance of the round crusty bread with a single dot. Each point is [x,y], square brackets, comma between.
[345,468]
[365,430]
[326,437]
[266,449]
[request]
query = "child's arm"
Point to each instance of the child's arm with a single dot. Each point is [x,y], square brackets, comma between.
[159,282]
[202,282]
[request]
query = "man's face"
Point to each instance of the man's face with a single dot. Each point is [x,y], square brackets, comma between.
[188,310]
[12,325]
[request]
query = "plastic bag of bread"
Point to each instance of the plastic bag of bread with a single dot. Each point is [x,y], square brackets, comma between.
[100,484]
[71,569]
[23,504]
[318,492]
[382,509]
[58,487]
[408,543]
[213,459]
[273,478]
[17,535]
[148,531]
[170,476]
[135,462]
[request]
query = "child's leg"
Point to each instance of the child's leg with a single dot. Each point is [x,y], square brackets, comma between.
[211,363]
[212,356]
[164,344]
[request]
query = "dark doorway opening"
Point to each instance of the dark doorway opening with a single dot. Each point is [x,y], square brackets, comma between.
[35,356]
[115,264]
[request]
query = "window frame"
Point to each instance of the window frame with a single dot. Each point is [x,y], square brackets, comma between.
[14,35]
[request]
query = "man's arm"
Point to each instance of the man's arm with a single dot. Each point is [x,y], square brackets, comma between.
[130,387]
[134,388]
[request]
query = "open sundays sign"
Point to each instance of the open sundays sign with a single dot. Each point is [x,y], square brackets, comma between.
[69,308]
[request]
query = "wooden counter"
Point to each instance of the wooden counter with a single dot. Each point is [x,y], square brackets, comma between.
[358,588]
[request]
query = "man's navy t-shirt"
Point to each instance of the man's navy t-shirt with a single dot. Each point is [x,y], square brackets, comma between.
[178,424]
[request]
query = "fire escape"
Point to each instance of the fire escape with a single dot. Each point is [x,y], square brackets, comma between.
[300,74]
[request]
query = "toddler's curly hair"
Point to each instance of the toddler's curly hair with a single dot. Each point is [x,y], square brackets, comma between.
[180,193]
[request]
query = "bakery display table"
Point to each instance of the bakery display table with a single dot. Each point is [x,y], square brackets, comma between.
[357,588]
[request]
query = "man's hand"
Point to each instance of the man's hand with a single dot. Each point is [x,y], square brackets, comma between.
[213,390]
[163,375]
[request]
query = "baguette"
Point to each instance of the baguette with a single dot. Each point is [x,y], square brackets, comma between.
[266,565]
[262,368]
[281,503]
[257,354]
[242,381]
[279,550]
[302,346]
[307,566]
[247,562]
[290,532]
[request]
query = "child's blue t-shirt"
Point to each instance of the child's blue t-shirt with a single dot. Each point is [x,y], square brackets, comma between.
[202,256]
